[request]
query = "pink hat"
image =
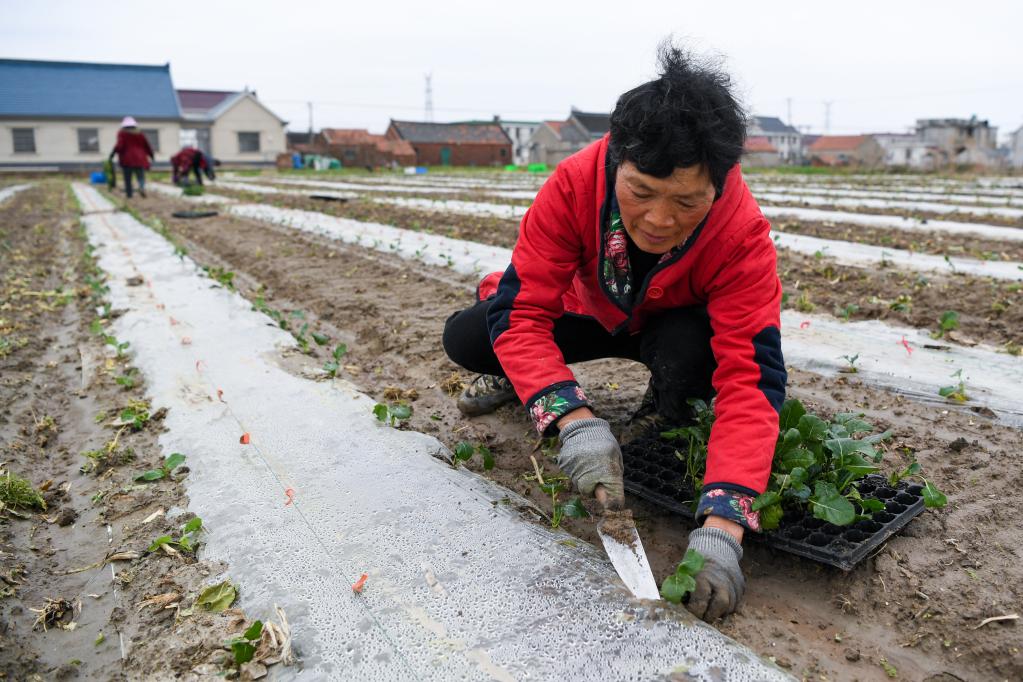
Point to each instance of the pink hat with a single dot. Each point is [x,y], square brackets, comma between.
[129,122]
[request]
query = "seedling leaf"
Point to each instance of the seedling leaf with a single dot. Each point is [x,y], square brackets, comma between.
[676,587]
[830,506]
[933,497]
[173,461]
[254,631]
[217,597]
[692,562]
[574,508]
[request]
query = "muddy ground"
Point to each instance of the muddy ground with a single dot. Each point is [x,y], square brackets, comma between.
[82,562]
[990,310]
[915,606]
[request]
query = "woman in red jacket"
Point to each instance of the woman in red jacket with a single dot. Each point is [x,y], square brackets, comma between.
[134,153]
[646,245]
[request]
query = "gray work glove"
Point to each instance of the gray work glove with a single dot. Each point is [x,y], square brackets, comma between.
[590,455]
[720,585]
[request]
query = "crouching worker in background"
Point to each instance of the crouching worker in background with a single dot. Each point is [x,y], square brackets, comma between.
[646,245]
[192,160]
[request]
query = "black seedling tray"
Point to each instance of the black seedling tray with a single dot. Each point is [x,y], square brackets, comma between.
[653,472]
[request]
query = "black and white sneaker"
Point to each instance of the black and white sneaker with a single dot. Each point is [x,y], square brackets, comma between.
[485,394]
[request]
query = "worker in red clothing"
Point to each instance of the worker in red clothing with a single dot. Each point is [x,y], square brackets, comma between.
[646,245]
[191,160]
[134,154]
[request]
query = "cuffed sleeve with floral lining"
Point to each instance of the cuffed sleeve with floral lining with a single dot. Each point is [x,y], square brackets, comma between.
[553,403]
[734,505]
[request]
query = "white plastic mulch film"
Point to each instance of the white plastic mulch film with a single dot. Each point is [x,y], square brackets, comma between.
[458,587]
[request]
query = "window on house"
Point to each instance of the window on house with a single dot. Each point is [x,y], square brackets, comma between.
[504,152]
[24,140]
[248,142]
[88,139]
[153,135]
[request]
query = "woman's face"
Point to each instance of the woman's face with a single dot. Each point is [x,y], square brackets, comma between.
[661,213]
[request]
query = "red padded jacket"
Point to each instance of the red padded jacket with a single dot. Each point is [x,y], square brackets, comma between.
[132,149]
[727,265]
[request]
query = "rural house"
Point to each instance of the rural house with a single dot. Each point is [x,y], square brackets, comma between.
[783,137]
[554,141]
[518,132]
[454,144]
[595,125]
[845,150]
[967,142]
[359,147]
[65,115]
[759,152]
[234,127]
[906,150]
[1016,148]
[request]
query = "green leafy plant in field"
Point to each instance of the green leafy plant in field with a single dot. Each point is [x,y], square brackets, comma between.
[392,414]
[17,493]
[320,339]
[134,415]
[957,391]
[845,312]
[949,321]
[465,450]
[217,598]
[244,648]
[170,463]
[220,275]
[187,541]
[193,190]
[816,464]
[683,581]
[332,366]
[554,486]
[127,380]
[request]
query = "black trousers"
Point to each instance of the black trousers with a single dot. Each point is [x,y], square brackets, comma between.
[139,173]
[674,346]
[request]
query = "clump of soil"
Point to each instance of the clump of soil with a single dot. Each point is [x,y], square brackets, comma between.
[619,525]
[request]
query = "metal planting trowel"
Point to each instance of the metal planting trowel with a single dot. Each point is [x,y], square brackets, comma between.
[621,541]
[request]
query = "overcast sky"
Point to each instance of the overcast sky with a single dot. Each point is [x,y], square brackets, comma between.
[881,64]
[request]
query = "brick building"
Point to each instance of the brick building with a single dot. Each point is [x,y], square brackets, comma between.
[846,150]
[453,144]
[356,147]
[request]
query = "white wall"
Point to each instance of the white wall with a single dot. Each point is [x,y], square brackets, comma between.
[57,141]
[247,116]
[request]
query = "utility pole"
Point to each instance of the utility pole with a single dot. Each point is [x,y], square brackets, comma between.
[428,107]
[310,105]
[788,105]
[827,115]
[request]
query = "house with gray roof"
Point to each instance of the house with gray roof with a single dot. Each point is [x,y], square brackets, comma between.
[595,125]
[554,141]
[784,138]
[232,126]
[454,144]
[65,115]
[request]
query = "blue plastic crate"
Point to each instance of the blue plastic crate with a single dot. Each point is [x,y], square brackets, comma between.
[98,178]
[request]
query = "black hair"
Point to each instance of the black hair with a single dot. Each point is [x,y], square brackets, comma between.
[688,116]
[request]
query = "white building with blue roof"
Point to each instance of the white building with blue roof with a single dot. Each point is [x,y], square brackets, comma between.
[65,116]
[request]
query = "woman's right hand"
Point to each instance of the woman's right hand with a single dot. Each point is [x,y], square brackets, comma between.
[590,455]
